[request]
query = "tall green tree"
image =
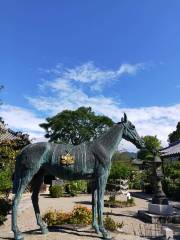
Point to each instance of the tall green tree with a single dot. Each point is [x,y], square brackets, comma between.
[121,156]
[8,151]
[75,127]
[175,135]
[151,143]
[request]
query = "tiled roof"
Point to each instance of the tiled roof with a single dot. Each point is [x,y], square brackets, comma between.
[6,134]
[172,150]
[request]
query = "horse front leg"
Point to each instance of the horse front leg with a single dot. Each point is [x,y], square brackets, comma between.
[100,204]
[94,208]
[36,185]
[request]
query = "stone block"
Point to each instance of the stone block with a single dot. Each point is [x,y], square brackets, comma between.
[160,209]
[168,233]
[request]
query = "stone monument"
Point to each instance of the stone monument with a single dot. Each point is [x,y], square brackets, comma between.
[159,209]
[159,203]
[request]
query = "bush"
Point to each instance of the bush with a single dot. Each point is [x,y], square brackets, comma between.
[5,181]
[5,207]
[172,188]
[117,203]
[136,180]
[75,187]
[56,191]
[2,219]
[111,225]
[53,217]
[171,181]
[80,215]
[120,170]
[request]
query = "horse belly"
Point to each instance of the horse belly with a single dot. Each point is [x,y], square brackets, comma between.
[69,173]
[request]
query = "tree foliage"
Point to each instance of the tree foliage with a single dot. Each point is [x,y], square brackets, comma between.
[8,152]
[75,127]
[120,170]
[175,135]
[151,143]
[122,156]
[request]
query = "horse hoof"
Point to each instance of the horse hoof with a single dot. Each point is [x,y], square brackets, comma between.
[18,237]
[44,230]
[96,229]
[107,236]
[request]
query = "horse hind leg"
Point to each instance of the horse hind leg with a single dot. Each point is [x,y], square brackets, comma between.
[22,185]
[36,185]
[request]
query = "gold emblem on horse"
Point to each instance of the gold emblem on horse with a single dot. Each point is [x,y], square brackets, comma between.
[67,159]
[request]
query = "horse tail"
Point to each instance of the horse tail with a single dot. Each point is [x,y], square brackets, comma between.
[18,173]
[29,161]
[16,177]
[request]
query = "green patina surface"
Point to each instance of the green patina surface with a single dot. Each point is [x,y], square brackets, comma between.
[91,160]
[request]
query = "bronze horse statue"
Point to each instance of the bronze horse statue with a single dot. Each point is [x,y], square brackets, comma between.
[89,160]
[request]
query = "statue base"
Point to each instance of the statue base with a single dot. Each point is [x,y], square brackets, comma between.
[158,218]
[160,209]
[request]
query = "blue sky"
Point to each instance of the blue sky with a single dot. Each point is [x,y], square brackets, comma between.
[114,56]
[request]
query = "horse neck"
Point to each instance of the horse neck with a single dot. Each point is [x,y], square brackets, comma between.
[112,138]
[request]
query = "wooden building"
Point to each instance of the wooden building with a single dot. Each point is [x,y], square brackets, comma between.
[7,135]
[172,151]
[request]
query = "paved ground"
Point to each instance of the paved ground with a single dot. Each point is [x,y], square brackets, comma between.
[133,227]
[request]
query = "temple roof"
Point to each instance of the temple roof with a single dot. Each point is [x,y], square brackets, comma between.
[7,134]
[173,150]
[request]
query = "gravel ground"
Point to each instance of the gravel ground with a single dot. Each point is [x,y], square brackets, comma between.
[27,223]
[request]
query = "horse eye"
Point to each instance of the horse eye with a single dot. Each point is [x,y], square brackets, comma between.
[133,127]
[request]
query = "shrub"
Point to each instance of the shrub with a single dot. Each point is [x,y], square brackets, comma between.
[75,187]
[2,219]
[56,191]
[111,225]
[80,215]
[5,207]
[5,181]
[135,182]
[117,203]
[53,217]
[171,181]
[172,188]
[120,170]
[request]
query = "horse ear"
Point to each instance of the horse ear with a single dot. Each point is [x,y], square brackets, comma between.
[125,117]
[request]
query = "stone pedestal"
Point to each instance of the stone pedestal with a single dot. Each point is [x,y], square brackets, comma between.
[157,218]
[160,209]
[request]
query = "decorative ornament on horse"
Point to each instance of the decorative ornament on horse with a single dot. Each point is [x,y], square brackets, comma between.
[89,160]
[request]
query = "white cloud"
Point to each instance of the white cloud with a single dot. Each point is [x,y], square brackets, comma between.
[70,88]
[158,121]
[88,73]
[63,92]
[67,88]
[21,119]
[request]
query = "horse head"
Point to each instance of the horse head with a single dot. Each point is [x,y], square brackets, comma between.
[130,134]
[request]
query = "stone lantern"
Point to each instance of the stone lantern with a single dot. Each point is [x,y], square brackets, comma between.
[159,203]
